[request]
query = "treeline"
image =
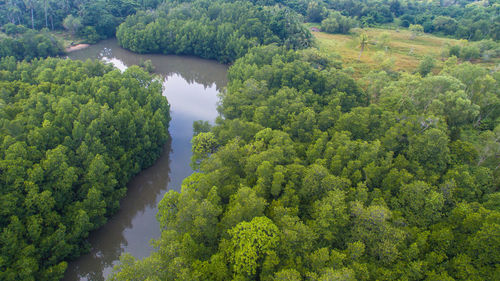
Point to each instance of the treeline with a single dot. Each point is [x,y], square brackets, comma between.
[212,29]
[469,20]
[91,19]
[484,49]
[311,175]
[24,43]
[72,134]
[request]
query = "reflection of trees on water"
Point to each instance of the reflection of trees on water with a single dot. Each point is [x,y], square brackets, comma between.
[107,242]
[192,69]
[196,77]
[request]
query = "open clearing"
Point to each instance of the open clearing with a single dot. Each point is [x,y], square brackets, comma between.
[388,49]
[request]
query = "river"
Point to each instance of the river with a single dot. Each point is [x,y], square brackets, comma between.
[191,86]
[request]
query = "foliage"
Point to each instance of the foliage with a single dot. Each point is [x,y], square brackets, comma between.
[310,174]
[484,49]
[426,65]
[101,15]
[309,180]
[337,23]
[29,45]
[316,11]
[72,24]
[214,30]
[416,29]
[462,19]
[72,135]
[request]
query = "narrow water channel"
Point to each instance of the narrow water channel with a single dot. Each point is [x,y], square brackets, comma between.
[191,86]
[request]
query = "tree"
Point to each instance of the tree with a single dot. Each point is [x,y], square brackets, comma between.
[426,66]
[329,25]
[430,149]
[203,145]
[416,30]
[445,24]
[68,156]
[201,126]
[250,243]
[363,43]
[72,24]
[243,206]
[30,4]
[420,203]
[337,23]
[329,217]
[315,11]
[373,227]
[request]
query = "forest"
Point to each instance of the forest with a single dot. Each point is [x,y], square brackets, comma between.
[72,135]
[24,43]
[312,171]
[471,20]
[312,175]
[211,29]
[92,19]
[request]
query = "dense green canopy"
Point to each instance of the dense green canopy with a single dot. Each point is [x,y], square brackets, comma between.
[72,134]
[305,179]
[29,44]
[212,29]
[90,19]
[309,174]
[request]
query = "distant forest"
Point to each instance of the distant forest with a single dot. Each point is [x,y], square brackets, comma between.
[219,30]
[98,19]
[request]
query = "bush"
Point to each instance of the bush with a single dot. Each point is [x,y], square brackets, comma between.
[469,52]
[454,51]
[426,66]
[12,29]
[337,23]
[30,45]
[90,35]
[404,23]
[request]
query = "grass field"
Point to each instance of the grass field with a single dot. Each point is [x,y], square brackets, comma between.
[388,49]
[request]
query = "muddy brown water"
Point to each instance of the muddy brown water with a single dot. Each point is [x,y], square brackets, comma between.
[191,86]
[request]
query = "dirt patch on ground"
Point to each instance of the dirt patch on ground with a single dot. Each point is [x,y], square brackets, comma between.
[76,47]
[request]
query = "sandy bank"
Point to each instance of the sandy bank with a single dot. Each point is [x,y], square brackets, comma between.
[76,47]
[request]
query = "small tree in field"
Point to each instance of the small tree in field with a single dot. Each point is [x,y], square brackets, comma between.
[363,43]
[416,30]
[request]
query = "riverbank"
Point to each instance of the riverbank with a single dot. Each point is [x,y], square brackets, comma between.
[70,42]
[76,47]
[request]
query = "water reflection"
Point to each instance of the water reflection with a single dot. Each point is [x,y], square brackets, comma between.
[111,240]
[191,86]
[191,69]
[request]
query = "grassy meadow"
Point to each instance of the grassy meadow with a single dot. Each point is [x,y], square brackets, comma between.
[387,49]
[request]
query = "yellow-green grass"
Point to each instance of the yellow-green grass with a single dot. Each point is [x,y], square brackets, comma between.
[403,51]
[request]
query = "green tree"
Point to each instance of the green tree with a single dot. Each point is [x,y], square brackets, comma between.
[420,204]
[72,24]
[250,243]
[426,66]
[416,30]
[363,43]
[203,145]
